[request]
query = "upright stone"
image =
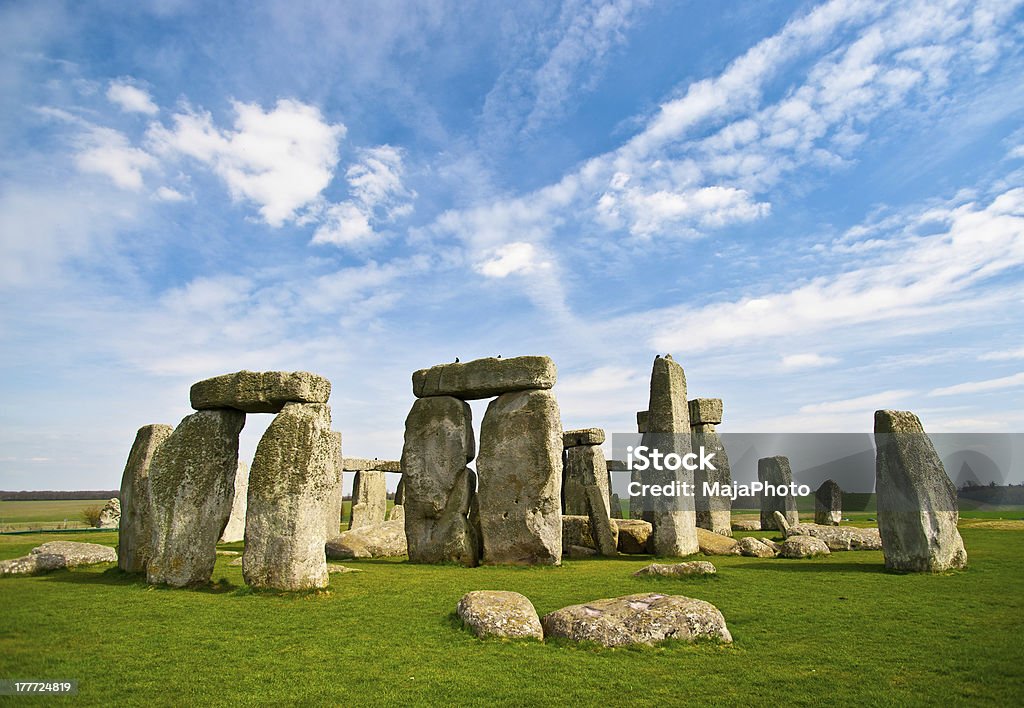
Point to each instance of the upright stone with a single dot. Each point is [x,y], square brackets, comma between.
[828,504]
[290,486]
[400,491]
[369,499]
[668,431]
[259,391]
[191,481]
[777,472]
[336,502]
[483,378]
[917,503]
[520,477]
[582,463]
[714,511]
[235,530]
[438,488]
[135,537]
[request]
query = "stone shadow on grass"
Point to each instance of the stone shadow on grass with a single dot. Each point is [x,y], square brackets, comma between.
[116,576]
[798,565]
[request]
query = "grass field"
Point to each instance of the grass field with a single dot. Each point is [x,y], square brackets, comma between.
[44,514]
[837,630]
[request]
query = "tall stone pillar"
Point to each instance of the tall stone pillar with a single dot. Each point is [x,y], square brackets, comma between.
[777,472]
[714,511]
[135,536]
[828,504]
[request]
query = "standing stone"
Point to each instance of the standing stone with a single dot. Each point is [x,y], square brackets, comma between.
[582,463]
[641,421]
[917,503]
[110,514]
[616,506]
[585,466]
[828,504]
[191,481]
[369,499]
[336,501]
[135,536]
[520,474]
[668,431]
[235,530]
[776,471]
[438,488]
[400,492]
[290,486]
[714,511]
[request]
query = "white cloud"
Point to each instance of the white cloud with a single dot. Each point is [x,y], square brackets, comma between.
[378,197]
[999,384]
[516,257]
[1003,355]
[861,404]
[807,361]
[166,194]
[280,160]
[107,152]
[131,98]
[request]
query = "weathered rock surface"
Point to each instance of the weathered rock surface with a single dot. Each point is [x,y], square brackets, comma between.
[58,554]
[750,546]
[576,531]
[110,514]
[291,484]
[574,551]
[584,465]
[917,503]
[520,468]
[645,618]
[641,421]
[235,529]
[714,511]
[746,525]
[135,534]
[840,538]
[616,505]
[336,501]
[634,535]
[358,464]
[668,430]
[439,488]
[803,547]
[828,504]
[777,472]
[484,378]
[400,492]
[715,544]
[385,540]
[583,436]
[259,391]
[676,570]
[191,481]
[369,499]
[499,613]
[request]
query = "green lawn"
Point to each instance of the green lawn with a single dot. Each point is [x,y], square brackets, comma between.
[837,630]
[44,514]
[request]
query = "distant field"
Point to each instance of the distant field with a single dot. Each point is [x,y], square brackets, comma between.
[16,515]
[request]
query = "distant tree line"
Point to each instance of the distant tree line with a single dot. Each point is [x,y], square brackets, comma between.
[50,495]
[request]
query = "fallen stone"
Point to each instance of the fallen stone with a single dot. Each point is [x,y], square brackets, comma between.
[776,471]
[191,481]
[110,514]
[715,544]
[499,613]
[803,547]
[485,378]
[135,534]
[236,562]
[577,552]
[746,525]
[439,488]
[58,554]
[774,545]
[828,504]
[385,540]
[645,618]
[841,538]
[228,553]
[634,535]
[259,391]
[917,503]
[290,486]
[583,436]
[520,470]
[359,464]
[235,529]
[333,568]
[752,547]
[676,570]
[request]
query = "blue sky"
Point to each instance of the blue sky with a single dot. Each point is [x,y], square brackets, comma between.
[817,208]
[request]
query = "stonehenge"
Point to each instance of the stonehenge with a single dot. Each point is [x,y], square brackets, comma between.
[510,510]
[586,487]
[828,504]
[369,499]
[134,539]
[917,502]
[714,512]
[776,472]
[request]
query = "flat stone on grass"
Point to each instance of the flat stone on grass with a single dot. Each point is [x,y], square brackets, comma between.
[499,613]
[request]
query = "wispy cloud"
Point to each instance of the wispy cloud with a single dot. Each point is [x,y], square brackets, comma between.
[998,384]
[860,404]
[809,360]
[131,98]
